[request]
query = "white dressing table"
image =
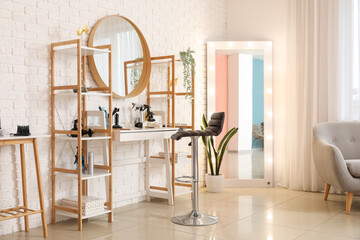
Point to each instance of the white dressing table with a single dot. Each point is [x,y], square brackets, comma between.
[146,134]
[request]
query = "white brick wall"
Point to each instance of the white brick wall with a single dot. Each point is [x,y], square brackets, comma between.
[27,27]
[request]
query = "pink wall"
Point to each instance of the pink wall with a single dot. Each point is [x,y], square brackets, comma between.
[221,91]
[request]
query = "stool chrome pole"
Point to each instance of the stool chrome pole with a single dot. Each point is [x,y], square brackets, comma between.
[195,217]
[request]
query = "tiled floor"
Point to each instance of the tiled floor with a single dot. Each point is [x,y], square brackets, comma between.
[251,214]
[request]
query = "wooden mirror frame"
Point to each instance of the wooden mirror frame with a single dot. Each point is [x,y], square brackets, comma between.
[146,70]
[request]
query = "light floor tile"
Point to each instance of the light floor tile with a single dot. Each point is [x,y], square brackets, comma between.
[342,224]
[35,234]
[231,209]
[247,229]
[314,204]
[321,236]
[151,213]
[265,200]
[292,218]
[199,230]
[147,232]
[245,213]
[269,191]
[91,228]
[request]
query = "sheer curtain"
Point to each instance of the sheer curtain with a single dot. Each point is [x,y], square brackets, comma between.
[323,83]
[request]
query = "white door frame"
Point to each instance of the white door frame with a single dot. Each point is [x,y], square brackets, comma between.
[266,46]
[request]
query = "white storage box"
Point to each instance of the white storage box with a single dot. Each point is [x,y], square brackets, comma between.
[90,205]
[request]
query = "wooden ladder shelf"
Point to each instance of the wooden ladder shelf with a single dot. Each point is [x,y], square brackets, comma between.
[171,108]
[74,47]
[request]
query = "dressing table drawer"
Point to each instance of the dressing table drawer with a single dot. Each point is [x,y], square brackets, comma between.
[143,134]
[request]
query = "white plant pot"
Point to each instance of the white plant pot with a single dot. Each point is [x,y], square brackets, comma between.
[214,183]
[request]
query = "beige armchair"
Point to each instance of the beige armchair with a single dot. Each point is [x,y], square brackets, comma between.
[336,151]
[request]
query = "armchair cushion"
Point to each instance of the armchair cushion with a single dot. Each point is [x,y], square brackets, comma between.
[354,167]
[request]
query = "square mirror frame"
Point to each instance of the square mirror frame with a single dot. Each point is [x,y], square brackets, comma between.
[266,46]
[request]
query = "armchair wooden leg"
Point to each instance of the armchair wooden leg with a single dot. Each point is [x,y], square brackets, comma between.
[349,197]
[326,191]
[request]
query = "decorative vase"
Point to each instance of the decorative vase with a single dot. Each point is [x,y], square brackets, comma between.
[214,183]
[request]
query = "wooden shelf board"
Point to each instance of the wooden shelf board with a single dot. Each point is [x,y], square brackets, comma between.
[7,137]
[94,137]
[71,93]
[95,94]
[16,212]
[163,61]
[97,174]
[159,97]
[70,49]
[153,96]
[75,215]
[153,62]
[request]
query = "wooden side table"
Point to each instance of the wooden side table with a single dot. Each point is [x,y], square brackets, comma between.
[24,211]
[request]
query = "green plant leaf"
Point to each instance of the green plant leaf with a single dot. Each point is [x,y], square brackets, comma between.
[211,140]
[222,150]
[233,131]
[205,124]
[209,158]
[205,141]
[224,138]
[203,138]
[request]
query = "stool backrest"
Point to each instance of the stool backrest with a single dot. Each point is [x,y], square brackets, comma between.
[216,123]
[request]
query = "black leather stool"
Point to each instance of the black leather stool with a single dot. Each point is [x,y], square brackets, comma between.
[195,217]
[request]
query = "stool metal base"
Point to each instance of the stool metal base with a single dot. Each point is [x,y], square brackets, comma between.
[195,219]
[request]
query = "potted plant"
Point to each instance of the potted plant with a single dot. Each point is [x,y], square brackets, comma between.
[188,61]
[135,73]
[214,180]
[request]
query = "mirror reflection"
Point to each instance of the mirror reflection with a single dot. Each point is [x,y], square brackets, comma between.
[240,93]
[127,54]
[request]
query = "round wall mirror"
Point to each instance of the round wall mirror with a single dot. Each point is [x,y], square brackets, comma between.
[131,64]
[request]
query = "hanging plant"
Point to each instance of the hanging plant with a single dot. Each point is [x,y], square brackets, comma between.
[135,73]
[189,69]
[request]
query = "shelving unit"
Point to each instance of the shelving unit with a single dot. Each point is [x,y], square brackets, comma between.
[74,48]
[170,95]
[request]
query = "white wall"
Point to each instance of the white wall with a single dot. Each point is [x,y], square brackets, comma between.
[260,20]
[28,28]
